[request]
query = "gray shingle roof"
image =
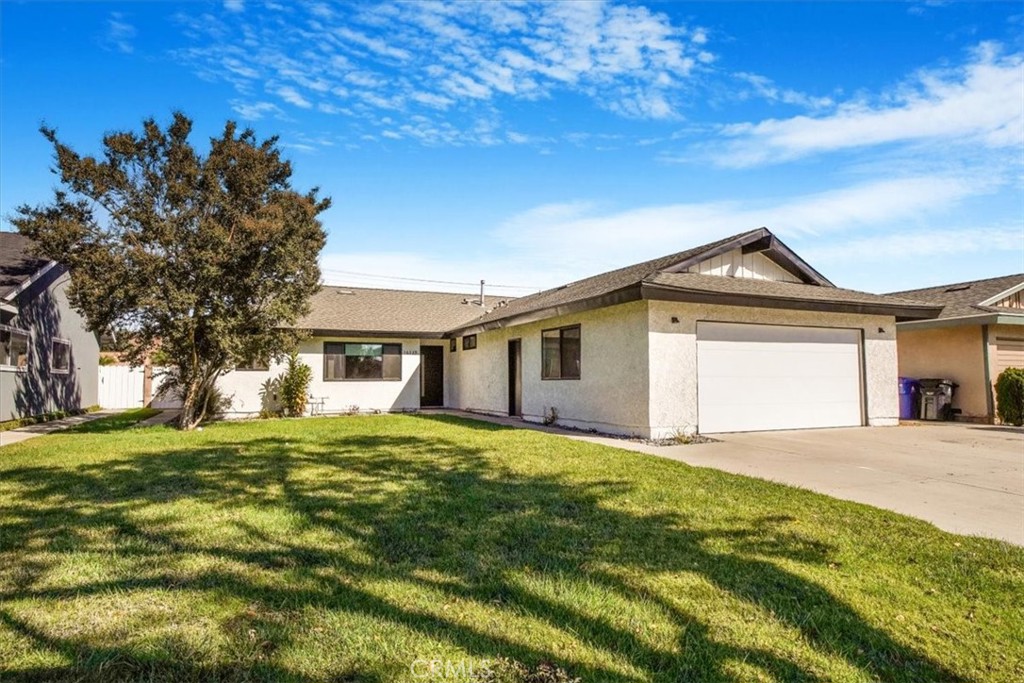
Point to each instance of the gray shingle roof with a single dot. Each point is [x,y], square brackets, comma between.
[17,264]
[598,285]
[388,311]
[764,289]
[961,299]
[651,274]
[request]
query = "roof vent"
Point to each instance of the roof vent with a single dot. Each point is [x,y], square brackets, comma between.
[959,288]
[347,292]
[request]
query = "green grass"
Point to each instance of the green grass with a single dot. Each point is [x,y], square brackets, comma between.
[344,549]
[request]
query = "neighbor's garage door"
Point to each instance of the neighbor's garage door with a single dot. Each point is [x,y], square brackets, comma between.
[761,377]
[1009,354]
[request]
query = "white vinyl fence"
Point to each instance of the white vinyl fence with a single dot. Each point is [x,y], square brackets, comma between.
[121,386]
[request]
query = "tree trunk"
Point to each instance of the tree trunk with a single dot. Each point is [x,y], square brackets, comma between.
[195,404]
[190,410]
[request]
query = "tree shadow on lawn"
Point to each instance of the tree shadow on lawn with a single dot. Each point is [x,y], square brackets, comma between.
[428,513]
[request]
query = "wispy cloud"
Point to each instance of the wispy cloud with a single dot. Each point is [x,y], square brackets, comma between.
[979,103]
[451,62]
[119,34]
[589,238]
[556,243]
[253,111]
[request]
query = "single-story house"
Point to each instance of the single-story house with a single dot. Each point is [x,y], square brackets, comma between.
[978,334]
[737,335]
[49,360]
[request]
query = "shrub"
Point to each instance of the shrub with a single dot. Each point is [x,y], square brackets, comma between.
[1010,396]
[295,386]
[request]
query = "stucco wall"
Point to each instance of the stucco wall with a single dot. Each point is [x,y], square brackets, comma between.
[673,351]
[955,353]
[610,396]
[243,387]
[43,310]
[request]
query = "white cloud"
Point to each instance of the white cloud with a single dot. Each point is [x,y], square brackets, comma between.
[764,87]
[605,239]
[119,34]
[980,103]
[922,243]
[850,232]
[234,5]
[253,111]
[292,96]
[458,58]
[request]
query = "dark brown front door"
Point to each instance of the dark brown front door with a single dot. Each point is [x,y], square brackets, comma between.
[515,377]
[431,376]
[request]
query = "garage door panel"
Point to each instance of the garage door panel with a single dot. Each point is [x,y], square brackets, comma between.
[761,377]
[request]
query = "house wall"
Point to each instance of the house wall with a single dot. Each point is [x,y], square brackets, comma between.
[1006,333]
[244,386]
[673,352]
[44,310]
[610,396]
[955,353]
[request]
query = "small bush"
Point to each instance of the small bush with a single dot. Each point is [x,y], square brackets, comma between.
[295,386]
[1010,396]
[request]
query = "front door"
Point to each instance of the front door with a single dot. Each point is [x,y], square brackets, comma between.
[431,376]
[515,378]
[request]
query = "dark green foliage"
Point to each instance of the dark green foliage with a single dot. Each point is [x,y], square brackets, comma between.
[294,386]
[210,258]
[1010,396]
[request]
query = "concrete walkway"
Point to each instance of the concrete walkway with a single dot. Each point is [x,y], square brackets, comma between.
[964,478]
[20,434]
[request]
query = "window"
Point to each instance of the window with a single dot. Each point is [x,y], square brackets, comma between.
[356,361]
[469,342]
[560,353]
[453,344]
[13,347]
[60,356]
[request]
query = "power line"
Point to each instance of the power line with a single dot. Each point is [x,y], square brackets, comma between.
[331,271]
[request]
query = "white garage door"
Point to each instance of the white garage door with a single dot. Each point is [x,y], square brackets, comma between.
[761,377]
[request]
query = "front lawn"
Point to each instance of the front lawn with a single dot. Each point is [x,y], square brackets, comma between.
[363,548]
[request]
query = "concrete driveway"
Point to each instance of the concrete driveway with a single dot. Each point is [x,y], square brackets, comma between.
[968,479]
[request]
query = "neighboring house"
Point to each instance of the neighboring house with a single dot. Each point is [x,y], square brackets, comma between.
[978,334]
[48,359]
[736,335]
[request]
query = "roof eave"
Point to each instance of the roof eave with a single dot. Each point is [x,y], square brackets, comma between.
[29,281]
[771,245]
[959,321]
[901,312]
[614,298]
[365,334]
[991,301]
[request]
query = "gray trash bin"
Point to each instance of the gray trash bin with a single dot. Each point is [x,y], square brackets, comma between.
[937,399]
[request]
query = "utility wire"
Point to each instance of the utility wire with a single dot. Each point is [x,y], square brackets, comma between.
[416,279]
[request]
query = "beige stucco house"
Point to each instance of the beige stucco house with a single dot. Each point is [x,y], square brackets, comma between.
[978,334]
[737,335]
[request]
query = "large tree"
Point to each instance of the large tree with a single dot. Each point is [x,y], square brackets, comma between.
[208,258]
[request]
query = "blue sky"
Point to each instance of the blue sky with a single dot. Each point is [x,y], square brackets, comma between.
[533,144]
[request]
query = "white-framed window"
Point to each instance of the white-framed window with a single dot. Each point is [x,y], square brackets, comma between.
[13,348]
[60,356]
[358,361]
